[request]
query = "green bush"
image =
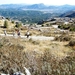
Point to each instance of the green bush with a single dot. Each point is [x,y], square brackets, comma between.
[72,28]
[6,24]
[64,26]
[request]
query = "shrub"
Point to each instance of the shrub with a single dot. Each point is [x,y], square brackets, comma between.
[57,38]
[72,43]
[1,44]
[47,25]
[63,38]
[6,24]
[66,38]
[34,42]
[42,25]
[72,28]
[8,18]
[12,22]
[18,25]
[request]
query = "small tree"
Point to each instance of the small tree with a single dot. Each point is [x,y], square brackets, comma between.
[5,24]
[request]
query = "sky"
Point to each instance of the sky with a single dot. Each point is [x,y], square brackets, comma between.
[46,2]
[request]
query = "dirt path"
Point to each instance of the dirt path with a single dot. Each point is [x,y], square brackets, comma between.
[32,37]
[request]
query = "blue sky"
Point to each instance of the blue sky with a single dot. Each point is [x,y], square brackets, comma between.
[46,2]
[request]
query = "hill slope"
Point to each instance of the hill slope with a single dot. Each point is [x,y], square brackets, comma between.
[41,57]
[70,14]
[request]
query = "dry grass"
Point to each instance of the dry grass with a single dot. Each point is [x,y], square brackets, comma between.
[58,49]
[43,57]
[38,55]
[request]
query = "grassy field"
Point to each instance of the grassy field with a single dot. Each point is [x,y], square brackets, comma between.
[41,57]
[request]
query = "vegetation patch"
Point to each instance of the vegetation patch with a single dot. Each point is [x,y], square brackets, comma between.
[72,43]
[63,38]
[70,27]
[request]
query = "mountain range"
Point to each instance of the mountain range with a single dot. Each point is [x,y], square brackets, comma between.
[40,7]
[36,12]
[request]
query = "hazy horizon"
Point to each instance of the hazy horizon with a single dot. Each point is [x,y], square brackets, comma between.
[46,2]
